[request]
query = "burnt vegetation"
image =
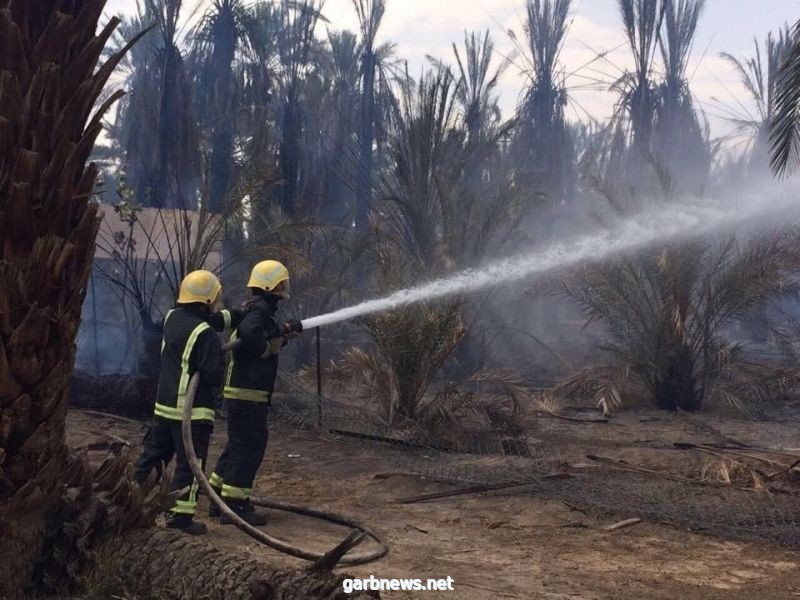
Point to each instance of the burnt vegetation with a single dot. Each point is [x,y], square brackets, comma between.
[328,152]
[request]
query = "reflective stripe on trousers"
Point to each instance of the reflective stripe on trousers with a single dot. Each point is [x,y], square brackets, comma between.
[236,493]
[187,507]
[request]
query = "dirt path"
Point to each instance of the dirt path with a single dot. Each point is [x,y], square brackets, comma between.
[498,545]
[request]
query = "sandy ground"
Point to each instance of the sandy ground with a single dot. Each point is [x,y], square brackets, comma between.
[501,544]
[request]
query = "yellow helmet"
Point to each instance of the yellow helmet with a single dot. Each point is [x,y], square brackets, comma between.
[268,275]
[199,286]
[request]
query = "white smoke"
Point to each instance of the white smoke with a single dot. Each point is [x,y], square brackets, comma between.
[657,225]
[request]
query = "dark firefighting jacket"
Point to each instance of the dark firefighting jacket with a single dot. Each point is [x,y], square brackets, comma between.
[251,375]
[190,345]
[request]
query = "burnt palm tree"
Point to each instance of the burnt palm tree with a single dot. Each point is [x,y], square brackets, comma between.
[426,146]
[785,126]
[344,173]
[542,147]
[680,140]
[295,43]
[477,85]
[162,159]
[435,215]
[642,23]
[370,14]
[220,37]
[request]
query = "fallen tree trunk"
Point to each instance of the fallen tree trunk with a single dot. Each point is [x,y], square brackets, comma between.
[186,568]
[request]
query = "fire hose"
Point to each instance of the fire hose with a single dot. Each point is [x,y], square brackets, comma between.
[255,533]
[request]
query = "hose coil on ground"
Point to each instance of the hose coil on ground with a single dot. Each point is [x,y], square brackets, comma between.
[255,533]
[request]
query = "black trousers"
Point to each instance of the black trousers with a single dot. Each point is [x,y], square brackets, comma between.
[162,442]
[244,452]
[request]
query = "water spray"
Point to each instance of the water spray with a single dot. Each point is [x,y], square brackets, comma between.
[664,223]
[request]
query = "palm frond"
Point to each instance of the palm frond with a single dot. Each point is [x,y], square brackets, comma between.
[785,127]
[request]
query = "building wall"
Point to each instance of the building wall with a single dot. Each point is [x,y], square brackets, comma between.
[109,339]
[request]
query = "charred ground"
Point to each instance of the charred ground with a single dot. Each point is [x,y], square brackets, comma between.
[542,540]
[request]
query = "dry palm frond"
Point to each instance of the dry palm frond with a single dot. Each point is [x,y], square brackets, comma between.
[748,386]
[549,402]
[451,410]
[608,387]
[366,368]
[505,385]
[735,473]
[489,399]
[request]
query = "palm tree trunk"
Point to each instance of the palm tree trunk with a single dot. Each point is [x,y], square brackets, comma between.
[366,141]
[47,235]
[159,559]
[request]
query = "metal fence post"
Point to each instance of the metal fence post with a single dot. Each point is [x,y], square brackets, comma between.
[94,324]
[319,382]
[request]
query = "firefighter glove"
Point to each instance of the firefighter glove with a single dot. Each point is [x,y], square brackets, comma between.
[294,326]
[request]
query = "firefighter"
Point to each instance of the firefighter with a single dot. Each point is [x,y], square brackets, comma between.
[189,345]
[249,383]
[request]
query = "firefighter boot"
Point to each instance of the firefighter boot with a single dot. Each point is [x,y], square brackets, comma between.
[186,524]
[245,510]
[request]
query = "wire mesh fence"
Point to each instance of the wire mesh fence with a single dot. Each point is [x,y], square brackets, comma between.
[490,458]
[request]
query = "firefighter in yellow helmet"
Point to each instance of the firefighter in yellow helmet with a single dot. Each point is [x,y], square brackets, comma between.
[249,383]
[189,345]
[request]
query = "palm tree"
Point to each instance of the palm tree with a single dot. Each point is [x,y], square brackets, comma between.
[665,314]
[162,159]
[370,13]
[341,123]
[642,22]
[47,240]
[295,45]
[785,126]
[425,149]
[476,91]
[542,146]
[219,38]
[680,141]
[433,215]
